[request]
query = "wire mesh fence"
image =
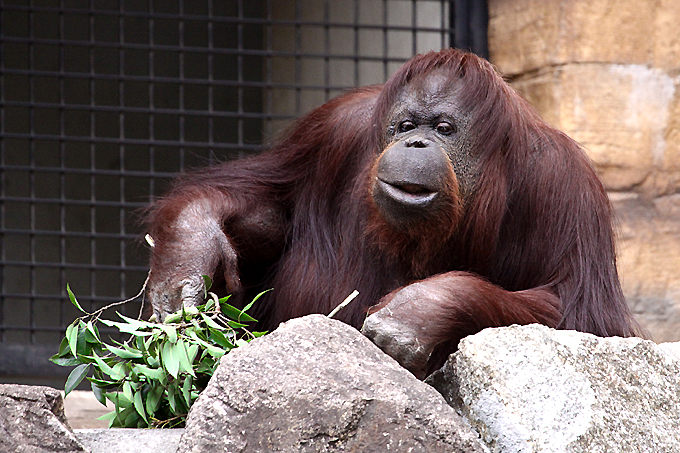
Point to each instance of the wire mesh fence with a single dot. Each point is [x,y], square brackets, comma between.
[102,102]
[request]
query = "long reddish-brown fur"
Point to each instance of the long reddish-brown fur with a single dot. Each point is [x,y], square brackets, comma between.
[538,220]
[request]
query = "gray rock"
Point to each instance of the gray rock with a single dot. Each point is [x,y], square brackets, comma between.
[318,385]
[127,440]
[32,420]
[534,389]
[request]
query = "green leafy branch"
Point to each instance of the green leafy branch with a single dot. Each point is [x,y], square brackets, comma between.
[153,377]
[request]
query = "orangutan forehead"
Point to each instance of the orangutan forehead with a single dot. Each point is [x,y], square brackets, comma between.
[432,94]
[434,86]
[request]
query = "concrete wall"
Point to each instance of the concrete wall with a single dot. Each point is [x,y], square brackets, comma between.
[607,72]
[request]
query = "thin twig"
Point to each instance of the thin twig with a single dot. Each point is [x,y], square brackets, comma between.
[98,312]
[141,306]
[344,303]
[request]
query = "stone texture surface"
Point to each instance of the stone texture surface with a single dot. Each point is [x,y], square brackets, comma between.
[317,385]
[621,114]
[127,440]
[32,420]
[528,35]
[649,260]
[534,389]
[607,72]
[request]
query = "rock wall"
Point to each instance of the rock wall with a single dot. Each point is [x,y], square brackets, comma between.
[607,72]
[32,420]
[532,389]
[317,385]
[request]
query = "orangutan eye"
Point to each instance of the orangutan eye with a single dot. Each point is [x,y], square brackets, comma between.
[406,126]
[445,128]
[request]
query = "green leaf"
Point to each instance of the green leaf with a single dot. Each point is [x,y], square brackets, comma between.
[193,335]
[64,361]
[139,405]
[196,331]
[98,392]
[172,398]
[120,417]
[72,336]
[119,399]
[119,369]
[216,352]
[212,350]
[183,357]
[186,390]
[208,305]
[236,325]
[255,299]
[127,353]
[192,352]
[195,327]
[139,324]
[131,419]
[170,331]
[107,369]
[127,390]
[108,416]
[74,301]
[75,377]
[115,421]
[64,348]
[207,365]
[139,349]
[219,338]
[125,327]
[150,344]
[234,313]
[153,361]
[173,318]
[88,358]
[207,284]
[188,312]
[81,344]
[103,383]
[155,374]
[170,359]
[153,399]
[91,333]
[210,322]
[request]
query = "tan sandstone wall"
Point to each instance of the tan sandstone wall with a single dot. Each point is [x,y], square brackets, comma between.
[607,72]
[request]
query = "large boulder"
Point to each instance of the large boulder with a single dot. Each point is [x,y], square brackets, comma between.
[32,420]
[535,389]
[318,385]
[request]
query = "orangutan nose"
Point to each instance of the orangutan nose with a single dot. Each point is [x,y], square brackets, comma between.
[416,142]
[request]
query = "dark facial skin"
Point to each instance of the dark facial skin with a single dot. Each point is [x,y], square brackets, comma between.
[427,152]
